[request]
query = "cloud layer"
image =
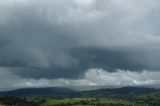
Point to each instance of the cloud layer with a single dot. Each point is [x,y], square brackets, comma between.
[93,77]
[44,41]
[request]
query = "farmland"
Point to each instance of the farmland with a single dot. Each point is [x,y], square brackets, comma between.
[104,97]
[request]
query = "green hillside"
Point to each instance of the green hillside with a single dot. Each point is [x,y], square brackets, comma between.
[128,96]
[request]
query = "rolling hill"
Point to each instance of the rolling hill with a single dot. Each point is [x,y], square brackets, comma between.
[48,91]
[66,92]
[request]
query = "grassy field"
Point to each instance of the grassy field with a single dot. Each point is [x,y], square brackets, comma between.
[52,101]
[151,99]
[86,102]
[133,98]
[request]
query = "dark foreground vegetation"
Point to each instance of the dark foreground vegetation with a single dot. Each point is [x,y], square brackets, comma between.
[110,97]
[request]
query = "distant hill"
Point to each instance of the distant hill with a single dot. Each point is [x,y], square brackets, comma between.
[66,92]
[118,92]
[48,91]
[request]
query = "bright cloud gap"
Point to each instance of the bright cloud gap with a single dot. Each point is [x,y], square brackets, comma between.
[92,77]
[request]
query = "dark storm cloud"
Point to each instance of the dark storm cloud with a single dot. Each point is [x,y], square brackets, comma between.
[84,59]
[64,38]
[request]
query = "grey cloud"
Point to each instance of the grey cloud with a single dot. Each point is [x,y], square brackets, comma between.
[95,76]
[82,59]
[64,38]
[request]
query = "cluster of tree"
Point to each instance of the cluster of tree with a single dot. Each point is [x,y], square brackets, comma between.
[113,104]
[14,101]
[97,104]
[20,101]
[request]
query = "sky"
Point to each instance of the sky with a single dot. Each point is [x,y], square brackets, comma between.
[45,43]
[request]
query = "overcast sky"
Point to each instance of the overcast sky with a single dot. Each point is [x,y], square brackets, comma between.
[79,42]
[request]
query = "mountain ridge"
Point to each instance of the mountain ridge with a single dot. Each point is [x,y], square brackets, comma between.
[67,92]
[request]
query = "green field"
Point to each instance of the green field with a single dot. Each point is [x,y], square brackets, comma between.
[135,97]
[139,101]
[52,101]
[87,102]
